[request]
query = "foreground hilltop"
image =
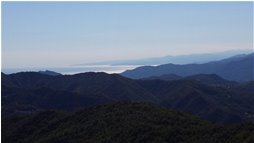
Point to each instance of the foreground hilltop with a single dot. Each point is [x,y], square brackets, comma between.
[120,122]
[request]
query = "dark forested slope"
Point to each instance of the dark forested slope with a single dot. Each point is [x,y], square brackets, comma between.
[26,91]
[31,91]
[120,122]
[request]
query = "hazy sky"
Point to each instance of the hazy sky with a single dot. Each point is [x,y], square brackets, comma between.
[50,34]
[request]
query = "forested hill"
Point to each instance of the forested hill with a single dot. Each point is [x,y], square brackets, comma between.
[208,97]
[120,122]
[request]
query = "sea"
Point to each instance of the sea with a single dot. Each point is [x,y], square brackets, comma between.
[68,70]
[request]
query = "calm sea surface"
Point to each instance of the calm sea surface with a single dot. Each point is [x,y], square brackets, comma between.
[74,69]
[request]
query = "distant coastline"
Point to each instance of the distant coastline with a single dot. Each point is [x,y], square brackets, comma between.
[75,69]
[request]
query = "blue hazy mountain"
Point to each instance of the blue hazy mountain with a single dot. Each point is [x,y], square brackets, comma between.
[166,77]
[237,68]
[48,72]
[209,79]
[180,59]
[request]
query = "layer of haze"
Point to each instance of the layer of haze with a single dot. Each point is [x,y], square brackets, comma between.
[37,34]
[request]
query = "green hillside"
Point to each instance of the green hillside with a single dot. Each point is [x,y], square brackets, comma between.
[120,122]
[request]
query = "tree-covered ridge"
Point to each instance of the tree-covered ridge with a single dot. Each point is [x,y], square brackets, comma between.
[211,99]
[120,122]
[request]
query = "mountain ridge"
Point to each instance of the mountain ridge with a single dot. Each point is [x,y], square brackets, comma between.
[234,68]
[31,91]
[179,59]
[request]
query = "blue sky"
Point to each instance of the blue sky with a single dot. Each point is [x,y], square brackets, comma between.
[50,34]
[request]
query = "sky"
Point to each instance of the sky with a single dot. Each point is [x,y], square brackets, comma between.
[52,34]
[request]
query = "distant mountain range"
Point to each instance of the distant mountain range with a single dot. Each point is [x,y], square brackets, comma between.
[207,96]
[236,68]
[120,122]
[179,59]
